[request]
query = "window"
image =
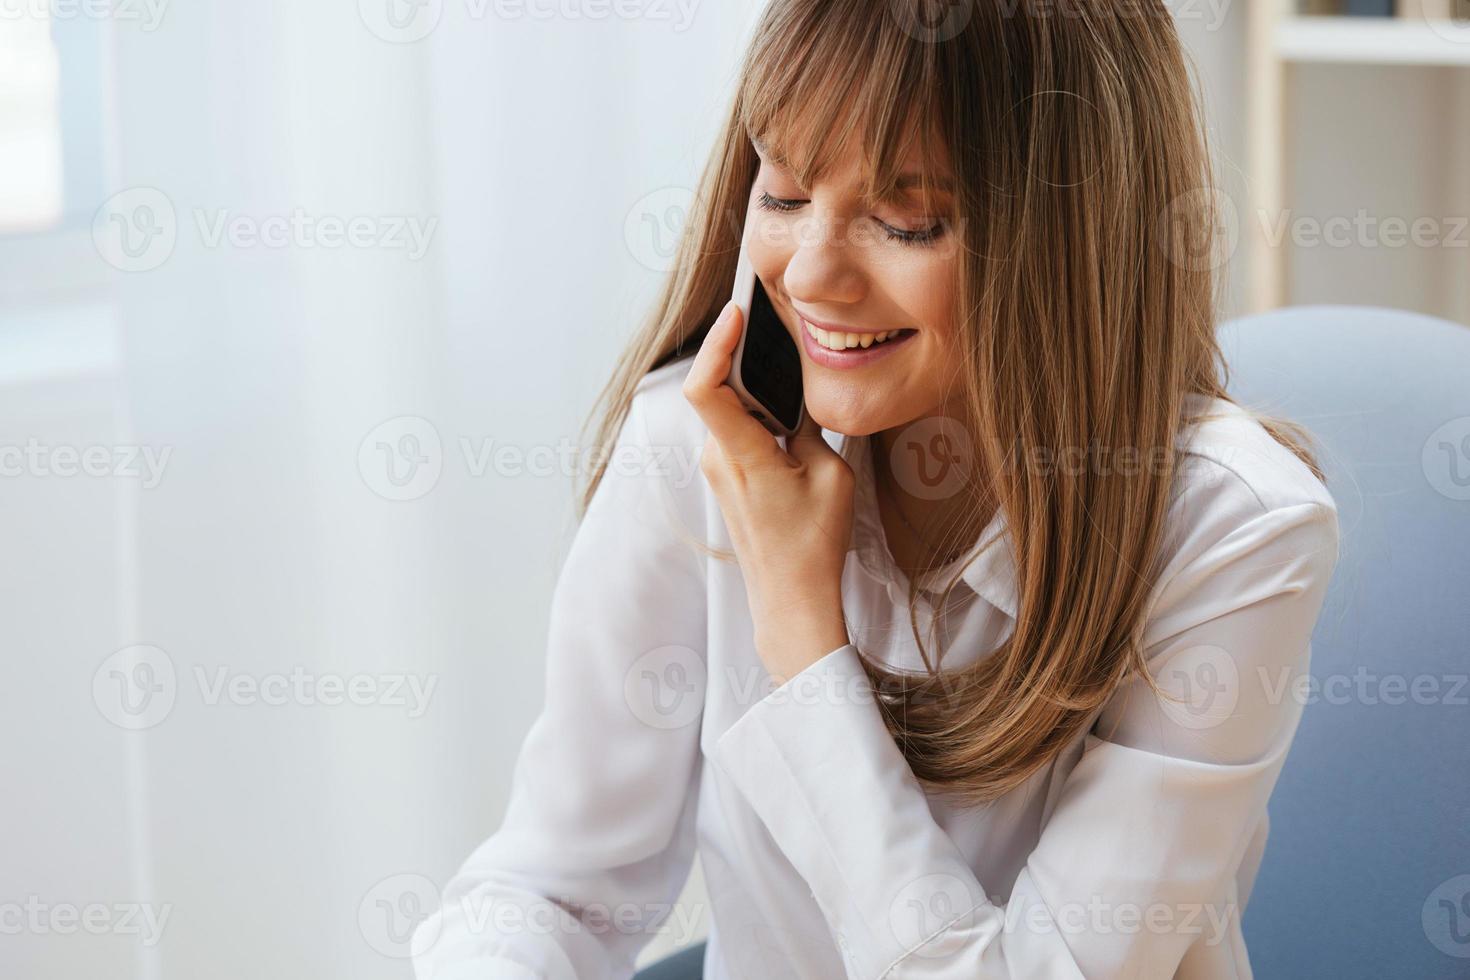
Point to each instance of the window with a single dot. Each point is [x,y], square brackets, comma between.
[31,197]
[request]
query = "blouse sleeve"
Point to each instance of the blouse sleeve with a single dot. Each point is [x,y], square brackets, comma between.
[1137,856]
[598,836]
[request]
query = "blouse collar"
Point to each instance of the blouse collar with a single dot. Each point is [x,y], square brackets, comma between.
[992,573]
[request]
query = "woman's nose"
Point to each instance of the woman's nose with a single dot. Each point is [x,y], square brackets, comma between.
[826,263]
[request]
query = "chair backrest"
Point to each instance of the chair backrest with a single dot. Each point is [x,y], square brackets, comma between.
[686,964]
[1367,868]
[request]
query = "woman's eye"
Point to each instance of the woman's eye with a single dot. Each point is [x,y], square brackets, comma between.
[907,236]
[918,236]
[778,203]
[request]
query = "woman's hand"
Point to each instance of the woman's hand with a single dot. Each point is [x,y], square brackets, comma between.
[789,512]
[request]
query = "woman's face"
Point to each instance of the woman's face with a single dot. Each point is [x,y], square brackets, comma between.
[841,275]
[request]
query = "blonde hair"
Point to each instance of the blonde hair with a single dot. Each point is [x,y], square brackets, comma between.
[1082,196]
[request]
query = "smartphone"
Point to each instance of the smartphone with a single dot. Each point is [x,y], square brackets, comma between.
[766,369]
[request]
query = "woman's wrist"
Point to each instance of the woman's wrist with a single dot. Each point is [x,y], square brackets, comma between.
[790,643]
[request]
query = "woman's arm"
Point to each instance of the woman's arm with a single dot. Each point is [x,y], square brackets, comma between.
[1135,862]
[599,834]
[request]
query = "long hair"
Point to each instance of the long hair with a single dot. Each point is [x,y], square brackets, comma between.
[1086,302]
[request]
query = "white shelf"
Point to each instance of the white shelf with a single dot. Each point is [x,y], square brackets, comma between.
[1373,41]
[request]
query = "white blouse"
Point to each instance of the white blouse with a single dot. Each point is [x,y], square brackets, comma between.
[1131,854]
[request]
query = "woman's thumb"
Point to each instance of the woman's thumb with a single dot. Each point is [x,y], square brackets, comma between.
[808,444]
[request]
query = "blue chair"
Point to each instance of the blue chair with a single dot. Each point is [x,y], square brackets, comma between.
[686,964]
[1367,870]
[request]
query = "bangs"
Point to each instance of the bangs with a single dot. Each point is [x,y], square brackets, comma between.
[832,79]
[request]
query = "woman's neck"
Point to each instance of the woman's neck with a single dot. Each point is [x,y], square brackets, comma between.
[924,485]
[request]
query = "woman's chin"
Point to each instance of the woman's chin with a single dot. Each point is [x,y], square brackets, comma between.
[844,418]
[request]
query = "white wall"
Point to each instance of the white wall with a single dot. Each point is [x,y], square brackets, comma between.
[269,834]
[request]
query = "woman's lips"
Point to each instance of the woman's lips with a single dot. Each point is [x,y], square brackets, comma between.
[851,357]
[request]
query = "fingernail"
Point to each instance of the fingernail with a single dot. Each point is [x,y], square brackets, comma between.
[726,313]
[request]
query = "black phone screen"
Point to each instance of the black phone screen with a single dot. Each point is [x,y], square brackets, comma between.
[770,368]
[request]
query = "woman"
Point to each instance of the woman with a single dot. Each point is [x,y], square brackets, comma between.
[996,682]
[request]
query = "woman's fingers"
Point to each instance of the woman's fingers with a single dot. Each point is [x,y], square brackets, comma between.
[807,444]
[741,437]
[824,466]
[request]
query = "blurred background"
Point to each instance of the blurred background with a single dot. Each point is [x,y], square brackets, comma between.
[302,305]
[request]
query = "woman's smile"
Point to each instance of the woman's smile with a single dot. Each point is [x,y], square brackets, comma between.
[840,346]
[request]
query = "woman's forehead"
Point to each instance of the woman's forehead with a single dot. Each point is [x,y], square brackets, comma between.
[846,163]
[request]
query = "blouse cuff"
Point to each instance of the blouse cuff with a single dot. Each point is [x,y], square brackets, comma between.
[816,762]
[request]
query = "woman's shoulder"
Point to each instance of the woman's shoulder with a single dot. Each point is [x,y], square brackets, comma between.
[662,436]
[1230,458]
[659,400]
[1243,501]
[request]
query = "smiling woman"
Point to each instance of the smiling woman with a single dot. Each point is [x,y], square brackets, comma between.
[851,261]
[982,235]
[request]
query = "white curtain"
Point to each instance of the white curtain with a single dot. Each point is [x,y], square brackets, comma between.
[269,657]
[268,663]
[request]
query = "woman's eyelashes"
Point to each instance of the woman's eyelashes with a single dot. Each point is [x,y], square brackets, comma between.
[920,236]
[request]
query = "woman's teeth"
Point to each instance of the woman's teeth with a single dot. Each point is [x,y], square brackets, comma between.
[837,340]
